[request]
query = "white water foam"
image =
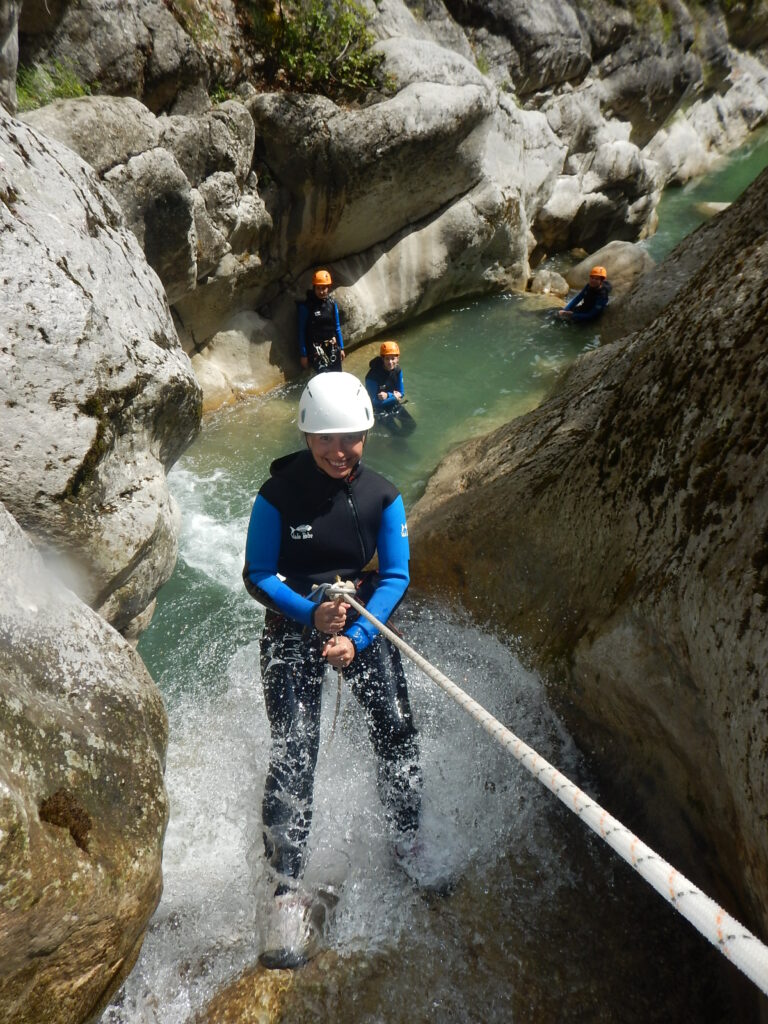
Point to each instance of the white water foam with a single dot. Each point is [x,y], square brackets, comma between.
[210,923]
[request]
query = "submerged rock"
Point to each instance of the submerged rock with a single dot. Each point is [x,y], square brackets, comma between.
[620,531]
[82,804]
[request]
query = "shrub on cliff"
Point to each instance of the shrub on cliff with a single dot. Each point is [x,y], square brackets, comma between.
[320,46]
[45,82]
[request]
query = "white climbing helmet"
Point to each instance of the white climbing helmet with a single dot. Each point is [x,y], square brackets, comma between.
[335,403]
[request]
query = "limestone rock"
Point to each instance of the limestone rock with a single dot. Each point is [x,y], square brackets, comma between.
[238,361]
[156,199]
[619,531]
[97,400]
[691,144]
[414,60]
[83,808]
[541,45]
[222,139]
[9,53]
[548,282]
[625,263]
[104,130]
[136,49]
[337,194]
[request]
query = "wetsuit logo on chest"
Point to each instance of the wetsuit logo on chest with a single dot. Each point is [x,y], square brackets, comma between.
[303,532]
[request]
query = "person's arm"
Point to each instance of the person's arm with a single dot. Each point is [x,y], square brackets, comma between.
[262,548]
[570,306]
[303,316]
[394,555]
[373,393]
[400,386]
[337,332]
[595,310]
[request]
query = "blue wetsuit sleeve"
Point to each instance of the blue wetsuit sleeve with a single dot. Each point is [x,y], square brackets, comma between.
[577,298]
[303,317]
[372,388]
[394,555]
[400,386]
[262,548]
[338,326]
[379,404]
[589,314]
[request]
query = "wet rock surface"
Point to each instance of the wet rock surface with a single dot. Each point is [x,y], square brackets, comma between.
[619,531]
[82,804]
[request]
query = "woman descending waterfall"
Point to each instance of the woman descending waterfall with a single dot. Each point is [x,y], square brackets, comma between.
[322,515]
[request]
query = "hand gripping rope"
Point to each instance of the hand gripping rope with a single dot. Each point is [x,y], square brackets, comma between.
[733,940]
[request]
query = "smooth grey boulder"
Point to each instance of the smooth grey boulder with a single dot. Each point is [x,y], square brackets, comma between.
[351,178]
[625,263]
[634,569]
[395,19]
[105,131]
[97,399]
[157,201]
[221,139]
[416,60]
[83,808]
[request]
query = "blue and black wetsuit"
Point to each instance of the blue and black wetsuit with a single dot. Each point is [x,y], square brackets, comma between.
[320,338]
[379,378]
[308,528]
[389,410]
[589,303]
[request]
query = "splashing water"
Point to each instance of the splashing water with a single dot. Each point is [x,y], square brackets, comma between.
[545,923]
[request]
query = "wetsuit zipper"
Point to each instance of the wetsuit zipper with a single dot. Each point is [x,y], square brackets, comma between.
[353,509]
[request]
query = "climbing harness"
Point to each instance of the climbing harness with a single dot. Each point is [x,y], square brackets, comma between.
[733,940]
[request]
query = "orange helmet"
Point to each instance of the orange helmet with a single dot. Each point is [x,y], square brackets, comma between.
[389,348]
[321,277]
[598,272]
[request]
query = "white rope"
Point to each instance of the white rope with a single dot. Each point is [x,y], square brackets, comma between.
[733,940]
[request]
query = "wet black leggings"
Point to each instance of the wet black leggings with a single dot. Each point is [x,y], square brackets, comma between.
[292,670]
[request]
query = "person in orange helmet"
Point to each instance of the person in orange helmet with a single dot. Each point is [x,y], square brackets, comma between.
[591,300]
[320,342]
[384,384]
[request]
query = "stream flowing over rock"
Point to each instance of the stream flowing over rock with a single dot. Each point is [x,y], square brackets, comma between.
[82,804]
[449,181]
[620,531]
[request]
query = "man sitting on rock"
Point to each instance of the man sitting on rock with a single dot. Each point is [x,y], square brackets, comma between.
[591,300]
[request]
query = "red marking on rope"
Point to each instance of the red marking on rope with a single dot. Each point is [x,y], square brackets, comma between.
[670,883]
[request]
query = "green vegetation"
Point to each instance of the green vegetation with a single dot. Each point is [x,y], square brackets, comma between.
[42,83]
[482,62]
[220,94]
[194,18]
[321,46]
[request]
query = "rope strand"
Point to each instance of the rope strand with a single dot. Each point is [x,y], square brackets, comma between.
[733,940]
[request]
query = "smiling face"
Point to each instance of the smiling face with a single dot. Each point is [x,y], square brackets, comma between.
[390,362]
[336,454]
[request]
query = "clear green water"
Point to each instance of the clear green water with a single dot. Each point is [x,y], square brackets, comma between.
[546,924]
